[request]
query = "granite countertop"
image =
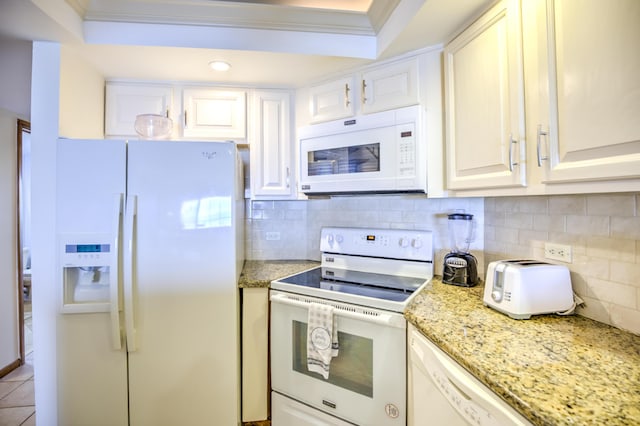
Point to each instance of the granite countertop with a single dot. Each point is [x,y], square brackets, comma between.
[260,273]
[553,369]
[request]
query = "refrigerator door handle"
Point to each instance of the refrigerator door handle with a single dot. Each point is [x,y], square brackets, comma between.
[115,275]
[129,260]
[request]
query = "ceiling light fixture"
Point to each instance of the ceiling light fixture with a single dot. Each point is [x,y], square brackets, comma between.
[219,65]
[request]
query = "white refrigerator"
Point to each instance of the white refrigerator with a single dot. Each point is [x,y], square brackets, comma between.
[150,248]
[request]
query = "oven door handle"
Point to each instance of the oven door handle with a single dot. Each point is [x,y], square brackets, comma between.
[367,315]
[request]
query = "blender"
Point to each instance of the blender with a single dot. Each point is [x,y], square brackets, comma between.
[460,266]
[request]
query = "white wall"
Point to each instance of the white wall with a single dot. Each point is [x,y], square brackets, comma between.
[81,98]
[9,326]
[15,77]
[44,132]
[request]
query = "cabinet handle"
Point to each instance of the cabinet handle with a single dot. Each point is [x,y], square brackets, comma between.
[346,95]
[511,143]
[364,92]
[166,114]
[541,133]
[287,180]
[185,118]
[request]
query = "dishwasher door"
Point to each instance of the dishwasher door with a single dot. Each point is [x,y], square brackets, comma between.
[443,393]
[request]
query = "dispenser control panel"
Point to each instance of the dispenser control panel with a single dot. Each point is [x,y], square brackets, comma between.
[85,264]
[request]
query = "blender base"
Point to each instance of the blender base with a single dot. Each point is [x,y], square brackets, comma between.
[460,269]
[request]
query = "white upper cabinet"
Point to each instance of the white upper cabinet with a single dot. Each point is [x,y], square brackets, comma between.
[388,86]
[214,113]
[332,101]
[484,102]
[124,101]
[589,90]
[272,169]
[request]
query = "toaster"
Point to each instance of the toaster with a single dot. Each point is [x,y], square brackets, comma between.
[521,288]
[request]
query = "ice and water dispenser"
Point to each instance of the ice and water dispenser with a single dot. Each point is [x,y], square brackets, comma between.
[86,273]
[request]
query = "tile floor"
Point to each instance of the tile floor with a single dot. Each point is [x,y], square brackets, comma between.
[17,405]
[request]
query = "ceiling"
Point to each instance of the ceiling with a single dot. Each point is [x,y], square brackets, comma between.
[268,42]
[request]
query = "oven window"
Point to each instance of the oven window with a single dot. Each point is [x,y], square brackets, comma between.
[344,160]
[352,369]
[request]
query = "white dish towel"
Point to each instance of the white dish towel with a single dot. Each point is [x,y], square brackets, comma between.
[322,338]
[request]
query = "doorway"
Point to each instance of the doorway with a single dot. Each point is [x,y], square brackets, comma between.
[24,238]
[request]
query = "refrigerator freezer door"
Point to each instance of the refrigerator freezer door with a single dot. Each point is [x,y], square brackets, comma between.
[185,367]
[92,376]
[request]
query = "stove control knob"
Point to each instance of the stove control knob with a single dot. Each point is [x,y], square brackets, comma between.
[416,243]
[339,238]
[330,239]
[404,242]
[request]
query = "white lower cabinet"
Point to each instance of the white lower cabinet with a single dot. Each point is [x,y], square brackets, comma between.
[271,147]
[255,354]
[589,89]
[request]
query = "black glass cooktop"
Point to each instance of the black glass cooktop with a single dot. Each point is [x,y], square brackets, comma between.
[380,286]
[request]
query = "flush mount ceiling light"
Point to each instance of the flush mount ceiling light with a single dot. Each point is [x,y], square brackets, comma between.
[219,65]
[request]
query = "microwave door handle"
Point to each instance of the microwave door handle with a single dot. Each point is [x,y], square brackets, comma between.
[382,319]
[115,275]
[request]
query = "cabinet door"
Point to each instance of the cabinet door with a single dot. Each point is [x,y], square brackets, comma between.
[593,101]
[214,114]
[123,102]
[270,145]
[484,102]
[331,101]
[391,86]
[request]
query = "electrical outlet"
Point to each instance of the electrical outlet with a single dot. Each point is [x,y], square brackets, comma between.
[559,252]
[273,236]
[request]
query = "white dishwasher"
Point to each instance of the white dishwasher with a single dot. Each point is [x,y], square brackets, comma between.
[441,392]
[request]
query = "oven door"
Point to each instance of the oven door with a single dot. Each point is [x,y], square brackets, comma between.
[367,380]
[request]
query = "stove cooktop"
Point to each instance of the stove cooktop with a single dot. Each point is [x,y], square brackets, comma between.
[389,292]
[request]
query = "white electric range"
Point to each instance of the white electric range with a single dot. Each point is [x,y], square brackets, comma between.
[367,276]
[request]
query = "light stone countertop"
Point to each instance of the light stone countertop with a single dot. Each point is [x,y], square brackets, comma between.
[555,370]
[260,273]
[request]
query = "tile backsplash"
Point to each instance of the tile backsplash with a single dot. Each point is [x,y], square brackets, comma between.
[297,224]
[603,231]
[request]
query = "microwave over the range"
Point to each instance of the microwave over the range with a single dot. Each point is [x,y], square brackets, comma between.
[376,153]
